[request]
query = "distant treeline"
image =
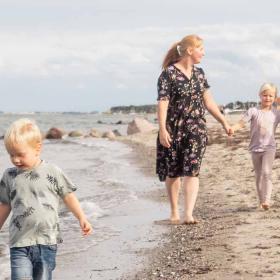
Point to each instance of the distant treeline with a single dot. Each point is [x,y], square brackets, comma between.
[134,109]
[152,108]
[238,105]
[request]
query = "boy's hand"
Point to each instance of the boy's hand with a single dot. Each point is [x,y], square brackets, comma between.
[86,227]
[73,205]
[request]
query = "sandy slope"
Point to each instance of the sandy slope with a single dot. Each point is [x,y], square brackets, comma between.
[234,240]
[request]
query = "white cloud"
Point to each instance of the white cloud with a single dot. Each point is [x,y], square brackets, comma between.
[238,57]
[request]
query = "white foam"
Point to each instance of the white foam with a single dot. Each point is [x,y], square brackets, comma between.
[92,210]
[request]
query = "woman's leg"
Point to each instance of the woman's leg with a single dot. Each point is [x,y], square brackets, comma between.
[266,183]
[173,189]
[191,186]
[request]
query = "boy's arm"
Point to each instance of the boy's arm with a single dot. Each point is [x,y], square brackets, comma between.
[74,206]
[5,210]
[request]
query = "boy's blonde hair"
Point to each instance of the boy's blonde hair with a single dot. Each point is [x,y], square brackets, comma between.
[22,131]
[268,86]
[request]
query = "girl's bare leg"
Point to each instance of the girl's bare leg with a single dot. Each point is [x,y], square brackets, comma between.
[191,186]
[173,189]
[257,163]
[266,187]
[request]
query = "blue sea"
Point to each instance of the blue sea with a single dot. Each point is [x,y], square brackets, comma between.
[111,190]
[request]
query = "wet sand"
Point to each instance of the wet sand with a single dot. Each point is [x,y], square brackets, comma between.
[234,239]
[131,235]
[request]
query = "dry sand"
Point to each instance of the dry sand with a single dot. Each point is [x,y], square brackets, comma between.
[234,239]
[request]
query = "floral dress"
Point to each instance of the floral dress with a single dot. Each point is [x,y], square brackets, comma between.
[185,123]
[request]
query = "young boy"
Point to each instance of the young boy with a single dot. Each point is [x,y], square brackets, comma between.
[32,190]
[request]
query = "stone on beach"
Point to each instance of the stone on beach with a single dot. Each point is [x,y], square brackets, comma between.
[54,133]
[94,133]
[109,134]
[117,133]
[139,125]
[75,133]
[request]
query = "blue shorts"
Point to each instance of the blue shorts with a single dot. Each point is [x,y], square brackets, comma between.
[33,262]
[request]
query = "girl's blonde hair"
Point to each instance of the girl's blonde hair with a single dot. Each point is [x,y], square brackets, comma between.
[178,50]
[268,86]
[22,131]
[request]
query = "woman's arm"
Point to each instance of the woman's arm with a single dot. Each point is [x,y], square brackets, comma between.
[214,110]
[164,136]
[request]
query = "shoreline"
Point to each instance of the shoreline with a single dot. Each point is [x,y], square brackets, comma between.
[130,229]
[234,240]
[181,252]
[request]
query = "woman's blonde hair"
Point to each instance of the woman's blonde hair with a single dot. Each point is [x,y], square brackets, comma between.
[268,86]
[178,50]
[22,131]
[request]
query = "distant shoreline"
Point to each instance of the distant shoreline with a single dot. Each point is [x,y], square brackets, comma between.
[135,109]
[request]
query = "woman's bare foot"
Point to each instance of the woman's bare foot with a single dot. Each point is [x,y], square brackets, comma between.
[168,222]
[175,222]
[175,217]
[193,222]
[190,221]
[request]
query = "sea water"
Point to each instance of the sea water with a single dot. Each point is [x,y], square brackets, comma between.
[109,186]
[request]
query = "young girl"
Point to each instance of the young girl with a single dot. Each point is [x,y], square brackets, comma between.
[263,122]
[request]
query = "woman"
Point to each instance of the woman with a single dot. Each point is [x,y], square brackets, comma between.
[183,95]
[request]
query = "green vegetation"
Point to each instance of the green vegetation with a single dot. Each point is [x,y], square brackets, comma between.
[134,109]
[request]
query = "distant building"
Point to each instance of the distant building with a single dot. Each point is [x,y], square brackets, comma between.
[277,103]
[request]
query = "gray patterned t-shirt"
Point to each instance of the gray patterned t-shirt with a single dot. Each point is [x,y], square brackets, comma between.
[34,197]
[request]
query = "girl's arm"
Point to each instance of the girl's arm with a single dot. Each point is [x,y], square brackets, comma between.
[74,206]
[238,126]
[5,210]
[214,110]
[164,136]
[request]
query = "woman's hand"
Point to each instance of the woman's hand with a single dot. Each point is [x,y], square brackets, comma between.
[231,131]
[164,138]
[228,129]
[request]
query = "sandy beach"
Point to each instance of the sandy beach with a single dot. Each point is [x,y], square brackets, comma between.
[234,239]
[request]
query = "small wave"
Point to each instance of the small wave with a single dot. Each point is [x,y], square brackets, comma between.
[91,209]
[69,245]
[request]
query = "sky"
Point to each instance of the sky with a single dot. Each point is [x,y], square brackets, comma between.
[90,55]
